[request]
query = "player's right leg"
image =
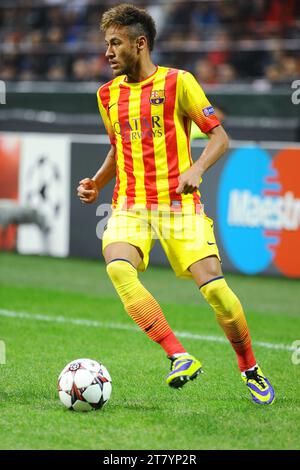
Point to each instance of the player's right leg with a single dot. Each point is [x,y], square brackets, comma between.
[123,260]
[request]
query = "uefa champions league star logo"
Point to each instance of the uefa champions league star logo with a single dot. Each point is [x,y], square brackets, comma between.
[44,188]
[74,366]
[258,210]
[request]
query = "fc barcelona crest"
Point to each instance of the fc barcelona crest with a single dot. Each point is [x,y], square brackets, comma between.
[157,97]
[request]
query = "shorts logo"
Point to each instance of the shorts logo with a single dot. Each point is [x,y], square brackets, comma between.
[208,111]
[157,97]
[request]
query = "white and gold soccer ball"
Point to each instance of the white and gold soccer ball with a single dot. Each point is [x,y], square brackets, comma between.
[84,385]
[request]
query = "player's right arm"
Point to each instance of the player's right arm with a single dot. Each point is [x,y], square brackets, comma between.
[89,188]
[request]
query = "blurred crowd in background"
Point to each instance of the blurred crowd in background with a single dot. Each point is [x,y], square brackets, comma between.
[220,41]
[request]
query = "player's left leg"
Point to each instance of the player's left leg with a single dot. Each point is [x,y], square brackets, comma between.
[193,252]
[208,275]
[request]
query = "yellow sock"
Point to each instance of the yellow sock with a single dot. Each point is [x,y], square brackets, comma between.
[141,305]
[231,318]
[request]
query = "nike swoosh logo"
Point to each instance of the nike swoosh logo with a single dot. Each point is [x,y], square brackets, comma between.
[211,243]
[149,327]
[111,106]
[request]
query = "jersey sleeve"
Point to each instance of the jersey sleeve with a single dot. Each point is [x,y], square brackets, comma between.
[105,118]
[196,133]
[194,103]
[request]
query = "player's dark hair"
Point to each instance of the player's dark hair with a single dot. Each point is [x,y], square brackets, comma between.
[138,20]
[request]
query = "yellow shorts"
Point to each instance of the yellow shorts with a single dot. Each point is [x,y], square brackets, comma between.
[185,237]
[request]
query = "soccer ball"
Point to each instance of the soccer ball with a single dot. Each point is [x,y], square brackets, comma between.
[84,385]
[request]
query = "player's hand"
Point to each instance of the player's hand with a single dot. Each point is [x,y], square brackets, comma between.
[189,181]
[87,191]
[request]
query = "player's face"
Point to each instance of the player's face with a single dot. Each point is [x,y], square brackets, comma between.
[121,50]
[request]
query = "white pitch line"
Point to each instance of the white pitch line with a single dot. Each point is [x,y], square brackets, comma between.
[120,326]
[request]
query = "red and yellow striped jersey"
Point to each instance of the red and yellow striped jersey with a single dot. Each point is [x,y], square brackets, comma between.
[149,123]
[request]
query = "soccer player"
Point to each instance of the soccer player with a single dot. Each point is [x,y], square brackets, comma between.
[147,111]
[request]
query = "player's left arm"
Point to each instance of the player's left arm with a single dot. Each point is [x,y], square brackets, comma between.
[215,148]
[193,103]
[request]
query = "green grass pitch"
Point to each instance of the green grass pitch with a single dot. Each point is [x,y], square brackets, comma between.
[213,412]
